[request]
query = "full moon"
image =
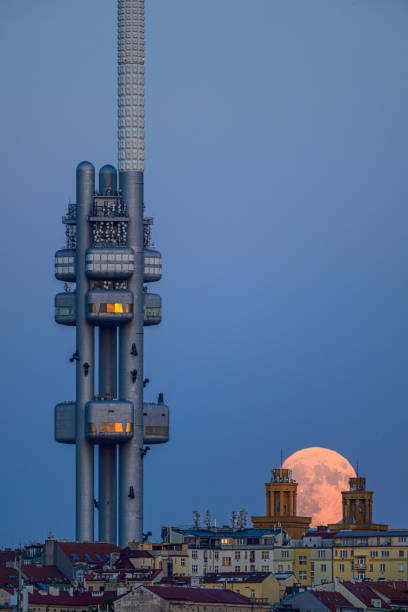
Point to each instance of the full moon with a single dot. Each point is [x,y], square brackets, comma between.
[321,475]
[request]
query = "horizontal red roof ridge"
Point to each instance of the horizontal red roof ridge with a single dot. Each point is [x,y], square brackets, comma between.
[197,595]
[332,600]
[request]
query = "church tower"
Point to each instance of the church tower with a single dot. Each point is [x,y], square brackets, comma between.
[357,508]
[281,501]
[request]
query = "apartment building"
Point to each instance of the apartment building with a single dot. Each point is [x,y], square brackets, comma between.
[371,555]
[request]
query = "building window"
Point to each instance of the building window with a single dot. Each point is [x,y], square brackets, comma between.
[400,567]
[264,568]
[382,568]
[115,308]
[226,561]
[361,575]
[237,569]
[323,567]
[114,427]
[226,540]
[402,539]
[302,560]
[194,569]
[321,554]
[265,554]
[385,553]
[302,575]
[237,555]
[341,568]
[343,554]
[401,553]
[371,567]
[183,562]
[63,311]
[216,569]
[252,593]
[285,554]
[252,568]
[373,553]
[280,569]
[194,554]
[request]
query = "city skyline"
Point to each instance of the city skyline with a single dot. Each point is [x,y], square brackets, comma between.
[276,172]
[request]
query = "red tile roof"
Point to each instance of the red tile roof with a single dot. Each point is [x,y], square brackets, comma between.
[393,594]
[8,556]
[197,595]
[364,593]
[401,585]
[88,552]
[333,601]
[43,573]
[8,579]
[85,598]
[176,580]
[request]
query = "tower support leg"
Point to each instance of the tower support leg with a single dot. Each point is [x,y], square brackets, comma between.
[131,385]
[85,188]
[107,454]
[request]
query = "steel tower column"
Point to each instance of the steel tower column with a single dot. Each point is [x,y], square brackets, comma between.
[107,386]
[107,454]
[131,167]
[131,372]
[85,189]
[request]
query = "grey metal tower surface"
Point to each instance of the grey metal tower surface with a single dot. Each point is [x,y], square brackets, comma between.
[109,256]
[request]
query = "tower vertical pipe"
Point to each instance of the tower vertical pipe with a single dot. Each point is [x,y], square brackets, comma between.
[107,454]
[130,386]
[131,168]
[107,526]
[85,189]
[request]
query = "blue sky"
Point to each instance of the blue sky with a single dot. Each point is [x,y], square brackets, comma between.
[276,170]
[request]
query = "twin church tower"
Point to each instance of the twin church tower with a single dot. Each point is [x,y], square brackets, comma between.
[281,507]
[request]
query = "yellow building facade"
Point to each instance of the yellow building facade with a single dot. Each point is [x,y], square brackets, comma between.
[172,563]
[374,556]
[171,558]
[303,566]
[264,587]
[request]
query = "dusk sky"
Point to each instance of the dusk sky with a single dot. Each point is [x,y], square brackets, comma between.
[277,174]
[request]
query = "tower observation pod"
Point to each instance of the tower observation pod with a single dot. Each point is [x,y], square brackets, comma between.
[110,258]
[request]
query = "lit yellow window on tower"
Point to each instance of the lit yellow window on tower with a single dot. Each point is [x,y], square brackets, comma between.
[114,308]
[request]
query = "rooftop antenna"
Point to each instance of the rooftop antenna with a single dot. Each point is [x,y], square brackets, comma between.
[196,519]
[243,518]
[281,458]
[357,468]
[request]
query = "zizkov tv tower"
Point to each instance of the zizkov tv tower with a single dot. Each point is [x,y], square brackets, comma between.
[109,256]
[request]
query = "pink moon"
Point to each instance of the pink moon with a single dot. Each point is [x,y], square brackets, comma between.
[322,474]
